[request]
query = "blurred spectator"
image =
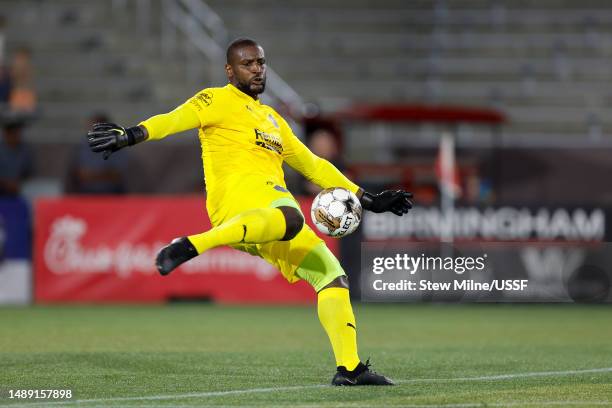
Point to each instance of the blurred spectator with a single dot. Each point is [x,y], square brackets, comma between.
[22,95]
[89,173]
[5,87]
[21,67]
[5,78]
[325,144]
[15,160]
[477,190]
[2,39]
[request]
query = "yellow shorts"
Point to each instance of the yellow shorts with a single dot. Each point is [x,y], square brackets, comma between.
[304,257]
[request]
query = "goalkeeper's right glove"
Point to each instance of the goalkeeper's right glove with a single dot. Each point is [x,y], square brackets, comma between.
[109,137]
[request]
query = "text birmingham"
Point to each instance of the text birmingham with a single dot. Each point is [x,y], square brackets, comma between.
[503,223]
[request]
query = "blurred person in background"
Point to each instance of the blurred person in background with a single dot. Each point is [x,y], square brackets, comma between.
[88,173]
[21,67]
[22,97]
[323,143]
[5,88]
[15,160]
[244,144]
[2,38]
[5,75]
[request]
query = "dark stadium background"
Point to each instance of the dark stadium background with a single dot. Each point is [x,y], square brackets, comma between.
[494,113]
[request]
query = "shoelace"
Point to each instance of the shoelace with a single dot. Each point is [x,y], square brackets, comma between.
[368,365]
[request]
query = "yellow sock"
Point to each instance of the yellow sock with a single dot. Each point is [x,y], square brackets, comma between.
[336,316]
[252,227]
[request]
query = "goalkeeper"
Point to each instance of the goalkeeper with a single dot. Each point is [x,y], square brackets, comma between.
[244,144]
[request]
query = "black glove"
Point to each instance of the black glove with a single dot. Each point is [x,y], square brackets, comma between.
[397,201]
[109,137]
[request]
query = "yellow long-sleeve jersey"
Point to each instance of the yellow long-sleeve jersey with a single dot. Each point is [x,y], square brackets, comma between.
[241,139]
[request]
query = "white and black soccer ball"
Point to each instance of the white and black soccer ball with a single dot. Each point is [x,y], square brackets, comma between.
[336,212]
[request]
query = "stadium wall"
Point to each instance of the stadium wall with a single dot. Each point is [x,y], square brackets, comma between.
[102,249]
[83,254]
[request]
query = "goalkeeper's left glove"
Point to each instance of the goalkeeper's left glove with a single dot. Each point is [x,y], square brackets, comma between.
[396,201]
[109,137]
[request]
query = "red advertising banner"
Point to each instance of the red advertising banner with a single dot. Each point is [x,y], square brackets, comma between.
[102,249]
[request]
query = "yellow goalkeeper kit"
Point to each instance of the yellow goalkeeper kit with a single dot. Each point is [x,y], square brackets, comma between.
[244,144]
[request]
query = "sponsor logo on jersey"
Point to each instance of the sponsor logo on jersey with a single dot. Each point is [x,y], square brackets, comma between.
[268,141]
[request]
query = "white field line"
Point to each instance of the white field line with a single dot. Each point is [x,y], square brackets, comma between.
[315,386]
[509,376]
[360,404]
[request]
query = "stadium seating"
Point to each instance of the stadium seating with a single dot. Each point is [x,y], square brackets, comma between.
[517,56]
[545,64]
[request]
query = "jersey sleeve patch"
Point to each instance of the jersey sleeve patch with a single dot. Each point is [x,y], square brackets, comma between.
[202,100]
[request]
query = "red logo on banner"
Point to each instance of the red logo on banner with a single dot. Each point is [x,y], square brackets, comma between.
[103,250]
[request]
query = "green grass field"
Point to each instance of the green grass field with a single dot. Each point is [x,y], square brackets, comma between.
[204,355]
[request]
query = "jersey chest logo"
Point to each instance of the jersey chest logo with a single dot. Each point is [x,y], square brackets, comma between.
[268,141]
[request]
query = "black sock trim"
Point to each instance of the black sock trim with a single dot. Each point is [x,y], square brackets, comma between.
[244,228]
[189,247]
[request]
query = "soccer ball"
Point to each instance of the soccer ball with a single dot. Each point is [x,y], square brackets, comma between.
[336,212]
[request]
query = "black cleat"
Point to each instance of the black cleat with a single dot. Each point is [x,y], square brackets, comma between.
[169,257]
[361,375]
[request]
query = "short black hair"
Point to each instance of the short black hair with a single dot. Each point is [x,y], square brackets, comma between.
[238,43]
